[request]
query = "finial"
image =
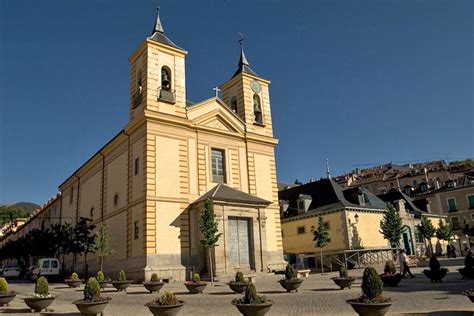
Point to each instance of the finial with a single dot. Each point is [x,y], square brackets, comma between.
[217,90]
[243,59]
[327,169]
[158,27]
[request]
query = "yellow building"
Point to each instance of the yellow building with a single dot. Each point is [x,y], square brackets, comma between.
[148,183]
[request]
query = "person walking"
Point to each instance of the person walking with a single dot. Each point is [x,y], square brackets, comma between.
[404,262]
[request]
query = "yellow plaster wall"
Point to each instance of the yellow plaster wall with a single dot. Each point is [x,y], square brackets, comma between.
[118,228]
[368,229]
[90,196]
[117,178]
[137,180]
[167,228]
[193,167]
[137,244]
[167,167]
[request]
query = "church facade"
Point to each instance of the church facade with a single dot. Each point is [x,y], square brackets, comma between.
[149,183]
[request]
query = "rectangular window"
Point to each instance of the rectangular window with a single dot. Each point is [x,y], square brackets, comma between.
[470,201]
[137,165]
[452,205]
[46,264]
[136,231]
[218,166]
[300,230]
[455,222]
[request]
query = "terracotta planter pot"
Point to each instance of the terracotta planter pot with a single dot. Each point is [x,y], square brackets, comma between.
[73,283]
[38,303]
[165,310]
[343,282]
[103,284]
[254,309]
[435,276]
[369,309]
[90,308]
[121,285]
[391,279]
[238,287]
[5,299]
[195,288]
[291,285]
[153,286]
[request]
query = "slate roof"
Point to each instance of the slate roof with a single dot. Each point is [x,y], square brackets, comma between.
[224,193]
[395,195]
[163,39]
[244,66]
[328,195]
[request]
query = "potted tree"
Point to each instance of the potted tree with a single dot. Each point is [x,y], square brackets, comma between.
[239,284]
[344,280]
[92,303]
[122,283]
[73,281]
[468,271]
[42,298]
[166,305]
[436,273]
[290,282]
[195,286]
[154,285]
[252,304]
[103,282]
[390,276]
[371,302]
[6,296]
[470,294]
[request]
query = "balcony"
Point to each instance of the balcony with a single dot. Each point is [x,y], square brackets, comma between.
[167,96]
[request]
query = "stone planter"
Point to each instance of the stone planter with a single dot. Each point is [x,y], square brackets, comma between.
[38,303]
[369,309]
[466,273]
[435,276]
[291,285]
[238,287]
[196,288]
[5,299]
[103,284]
[90,308]
[343,282]
[165,310]
[73,283]
[121,285]
[471,298]
[391,279]
[254,309]
[153,286]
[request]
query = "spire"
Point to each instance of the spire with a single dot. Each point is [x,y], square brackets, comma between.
[244,66]
[158,27]
[328,173]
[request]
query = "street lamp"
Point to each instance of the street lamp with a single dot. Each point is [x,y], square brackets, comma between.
[356,217]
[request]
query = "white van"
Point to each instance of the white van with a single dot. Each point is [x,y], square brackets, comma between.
[48,267]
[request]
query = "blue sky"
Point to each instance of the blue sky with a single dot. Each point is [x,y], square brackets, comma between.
[358,82]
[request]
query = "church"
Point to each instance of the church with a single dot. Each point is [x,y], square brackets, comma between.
[149,183]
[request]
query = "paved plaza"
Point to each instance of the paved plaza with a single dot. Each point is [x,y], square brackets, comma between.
[317,296]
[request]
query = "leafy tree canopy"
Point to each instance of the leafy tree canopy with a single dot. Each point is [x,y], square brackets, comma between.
[443,232]
[391,226]
[321,234]
[208,225]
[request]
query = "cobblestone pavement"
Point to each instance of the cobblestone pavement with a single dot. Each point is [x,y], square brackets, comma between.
[318,295]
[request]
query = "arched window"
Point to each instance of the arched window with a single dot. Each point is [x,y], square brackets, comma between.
[233,104]
[165,78]
[116,199]
[257,109]
[92,212]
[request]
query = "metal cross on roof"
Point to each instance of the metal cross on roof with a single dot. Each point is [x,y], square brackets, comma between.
[217,90]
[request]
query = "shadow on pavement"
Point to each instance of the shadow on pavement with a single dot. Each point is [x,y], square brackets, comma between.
[222,293]
[141,293]
[15,311]
[327,290]
[273,292]
[442,313]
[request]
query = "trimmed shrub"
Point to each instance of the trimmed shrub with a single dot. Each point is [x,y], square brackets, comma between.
[3,286]
[91,290]
[42,287]
[74,276]
[100,277]
[343,273]
[390,267]
[122,276]
[371,283]
[239,277]
[290,273]
[154,278]
[168,298]
[196,277]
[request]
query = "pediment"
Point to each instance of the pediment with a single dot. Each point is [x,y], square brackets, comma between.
[214,114]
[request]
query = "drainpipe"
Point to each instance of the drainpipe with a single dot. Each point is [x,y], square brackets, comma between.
[260,237]
[103,186]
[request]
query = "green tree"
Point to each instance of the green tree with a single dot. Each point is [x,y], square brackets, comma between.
[9,212]
[321,238]
[103,244]
[209,231]
[443,232]
[427,230]
[83,242]
[391,226]
[466,229]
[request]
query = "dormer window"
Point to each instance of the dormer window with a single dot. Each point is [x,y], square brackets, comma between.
[304,202]
[423,187]
[233,104]
[257,109]
[407,190]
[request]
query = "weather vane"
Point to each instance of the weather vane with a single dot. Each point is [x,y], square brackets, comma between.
[241,40]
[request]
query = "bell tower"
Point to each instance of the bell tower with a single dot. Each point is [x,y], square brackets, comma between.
[157,75]
[247,94]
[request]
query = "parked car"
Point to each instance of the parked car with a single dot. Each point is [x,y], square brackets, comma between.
[11,271]
[48,267]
